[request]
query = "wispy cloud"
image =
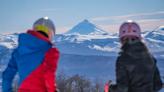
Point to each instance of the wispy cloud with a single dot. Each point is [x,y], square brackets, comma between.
[57,9]
[156,15]
[147,21]
[146,25]
[150,24]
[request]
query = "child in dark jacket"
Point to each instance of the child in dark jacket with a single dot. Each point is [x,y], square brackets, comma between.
[35,59]
[136,69]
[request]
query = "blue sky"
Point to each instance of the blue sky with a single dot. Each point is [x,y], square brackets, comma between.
[19,15]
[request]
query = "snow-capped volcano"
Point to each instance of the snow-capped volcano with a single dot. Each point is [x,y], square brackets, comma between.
[86,28]
[157,34]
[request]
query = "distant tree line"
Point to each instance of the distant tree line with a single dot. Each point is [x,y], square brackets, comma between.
[78,83]
[75,83]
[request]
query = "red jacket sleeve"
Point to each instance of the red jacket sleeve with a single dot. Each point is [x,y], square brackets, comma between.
[49,68]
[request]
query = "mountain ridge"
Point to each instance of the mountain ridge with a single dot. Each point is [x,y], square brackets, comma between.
[86,28]
[92,44]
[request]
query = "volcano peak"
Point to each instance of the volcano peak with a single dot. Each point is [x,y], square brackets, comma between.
[85,28]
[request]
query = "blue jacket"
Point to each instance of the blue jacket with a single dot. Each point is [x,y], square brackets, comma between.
[25,59]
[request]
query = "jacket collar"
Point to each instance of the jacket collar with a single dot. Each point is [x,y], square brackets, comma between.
[38,35]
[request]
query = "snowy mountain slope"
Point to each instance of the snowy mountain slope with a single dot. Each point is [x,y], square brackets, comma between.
[144,33]
[80,38]
[157,34]
[7,44]
[155,45]
[5,55]
[16,34]
[87,44]
[9,41]
[74,44]
[87,28]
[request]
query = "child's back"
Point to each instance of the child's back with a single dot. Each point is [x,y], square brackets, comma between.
[136,69]
[36,61]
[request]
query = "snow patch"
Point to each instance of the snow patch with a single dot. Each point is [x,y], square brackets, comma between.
[8,45]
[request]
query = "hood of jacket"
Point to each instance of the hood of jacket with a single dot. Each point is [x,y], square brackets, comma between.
[136,49]
[30,44]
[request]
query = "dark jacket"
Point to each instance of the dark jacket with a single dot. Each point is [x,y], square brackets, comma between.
[136,70]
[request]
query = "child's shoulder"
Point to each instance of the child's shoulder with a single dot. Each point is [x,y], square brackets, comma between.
[53,50]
